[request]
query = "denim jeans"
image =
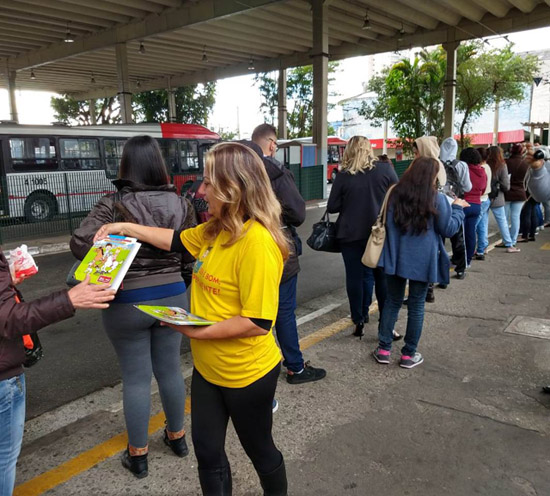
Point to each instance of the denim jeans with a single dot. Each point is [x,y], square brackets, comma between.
[470,220]
[12,421]
[415,313]
[360,280]
[513,212]
[500,217]
[482,227]
[285,326]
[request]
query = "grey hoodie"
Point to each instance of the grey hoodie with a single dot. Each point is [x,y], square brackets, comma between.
[538,183]
[449,148]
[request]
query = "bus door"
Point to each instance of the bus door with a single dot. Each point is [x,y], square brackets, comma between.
[86,181]
[4,156]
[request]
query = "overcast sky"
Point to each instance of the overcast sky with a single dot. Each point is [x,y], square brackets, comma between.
[238,100]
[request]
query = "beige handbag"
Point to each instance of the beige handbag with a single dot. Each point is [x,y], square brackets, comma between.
[375,244]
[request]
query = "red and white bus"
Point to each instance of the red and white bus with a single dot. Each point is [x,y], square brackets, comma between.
[50,170]
[291,153]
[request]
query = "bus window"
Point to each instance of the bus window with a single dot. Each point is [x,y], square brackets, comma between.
[333,154]
[31,154]
[79,154]
[169,149]
[189,156]
[113,153]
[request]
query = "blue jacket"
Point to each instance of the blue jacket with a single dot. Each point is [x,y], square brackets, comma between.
[421,257]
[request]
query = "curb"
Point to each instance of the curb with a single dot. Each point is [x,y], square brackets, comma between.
[47,249]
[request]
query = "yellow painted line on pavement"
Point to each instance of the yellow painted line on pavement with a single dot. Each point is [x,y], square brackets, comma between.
[86,460]
[545,246]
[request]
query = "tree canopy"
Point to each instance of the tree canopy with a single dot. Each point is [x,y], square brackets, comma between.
[410,94]
[299,92]
[193,105]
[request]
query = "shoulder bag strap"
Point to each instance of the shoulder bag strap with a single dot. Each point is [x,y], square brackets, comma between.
[384,208]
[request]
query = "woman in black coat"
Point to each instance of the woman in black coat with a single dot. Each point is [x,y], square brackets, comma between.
[357,195]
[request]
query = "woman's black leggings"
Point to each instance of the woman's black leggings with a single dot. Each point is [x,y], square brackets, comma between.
[528,219]
[250,410]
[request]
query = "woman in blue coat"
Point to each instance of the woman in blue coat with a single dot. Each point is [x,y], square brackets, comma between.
[418,218]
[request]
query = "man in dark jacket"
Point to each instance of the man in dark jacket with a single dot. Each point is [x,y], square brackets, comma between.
[294,214]
[16,320]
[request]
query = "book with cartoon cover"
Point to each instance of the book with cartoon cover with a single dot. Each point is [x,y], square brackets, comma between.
[108,260]
[173,315]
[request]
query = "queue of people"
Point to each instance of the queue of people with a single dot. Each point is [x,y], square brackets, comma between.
[244,279]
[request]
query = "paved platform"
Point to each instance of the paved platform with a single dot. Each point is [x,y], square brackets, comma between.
[470,420]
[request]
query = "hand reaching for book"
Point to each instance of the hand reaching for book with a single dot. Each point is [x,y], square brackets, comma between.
[86,295]
[106,229]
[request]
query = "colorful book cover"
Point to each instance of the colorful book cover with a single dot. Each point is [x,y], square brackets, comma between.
[173,315]
[108,260]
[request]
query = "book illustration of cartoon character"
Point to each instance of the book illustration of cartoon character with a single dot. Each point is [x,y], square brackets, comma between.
[96,262]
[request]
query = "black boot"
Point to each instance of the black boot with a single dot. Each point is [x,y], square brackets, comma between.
[359,332]
[179,446]
[275,483]
[135,464]
[216,481]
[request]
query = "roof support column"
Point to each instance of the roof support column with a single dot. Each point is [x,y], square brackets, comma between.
[495,124]
[93,118]
[532,134]
[171,102]
[14,116]
[450,88]
[124,93]
[282,111]
[320,83]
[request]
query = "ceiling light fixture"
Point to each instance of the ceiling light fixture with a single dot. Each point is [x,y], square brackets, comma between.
[366,22]
[204,56]
[138,83]
[251,65]
[92,79]
[401,33]
[141,47]
[33,77]
[69,38]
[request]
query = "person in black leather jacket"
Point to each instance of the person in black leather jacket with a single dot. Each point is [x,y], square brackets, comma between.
[264,142]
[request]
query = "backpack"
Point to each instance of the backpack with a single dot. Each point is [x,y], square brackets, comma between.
[495,188]
[453,179]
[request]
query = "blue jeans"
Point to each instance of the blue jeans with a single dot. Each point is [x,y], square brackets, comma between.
[471,214]
[513,212]
[360,281]
[482,227]
[12,422]
[500,217]
[415,313]
[285,326]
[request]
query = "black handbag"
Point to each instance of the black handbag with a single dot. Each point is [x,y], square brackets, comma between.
[323,237]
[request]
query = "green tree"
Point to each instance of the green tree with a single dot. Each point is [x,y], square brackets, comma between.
[77,113]
[411,93]
[485,78]
[299,92]
[193,104]
[226,134]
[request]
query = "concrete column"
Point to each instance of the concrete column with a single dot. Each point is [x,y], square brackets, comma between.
[320,83]
[450,88]
[495,124]
[93,117]
[14,116]
[385,141]
[282,111]
[124,93]
[532,134]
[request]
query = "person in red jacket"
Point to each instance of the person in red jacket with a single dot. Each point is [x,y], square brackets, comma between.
[478,177]
[18,318]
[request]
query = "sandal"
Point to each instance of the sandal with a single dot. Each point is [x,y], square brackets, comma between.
[500,245]
[522,240]
[512,249]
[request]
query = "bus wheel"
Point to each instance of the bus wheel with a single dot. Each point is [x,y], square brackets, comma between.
[40,207]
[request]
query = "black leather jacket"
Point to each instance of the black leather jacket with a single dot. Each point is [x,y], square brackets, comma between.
[156,206]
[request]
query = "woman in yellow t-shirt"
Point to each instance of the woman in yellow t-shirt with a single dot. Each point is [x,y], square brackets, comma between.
[240,253]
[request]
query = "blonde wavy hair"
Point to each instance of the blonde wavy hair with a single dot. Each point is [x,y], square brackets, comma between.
[358,155]
[239,181]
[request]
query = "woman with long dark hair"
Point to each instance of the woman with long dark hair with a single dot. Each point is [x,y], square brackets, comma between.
[240,253]
[142,346]
[500,183]
[418,218]
[516,196]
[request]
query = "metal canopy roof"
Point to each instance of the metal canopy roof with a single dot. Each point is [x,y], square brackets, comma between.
[233,34]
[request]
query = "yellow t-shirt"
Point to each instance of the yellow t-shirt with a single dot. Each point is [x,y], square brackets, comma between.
[241,279]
